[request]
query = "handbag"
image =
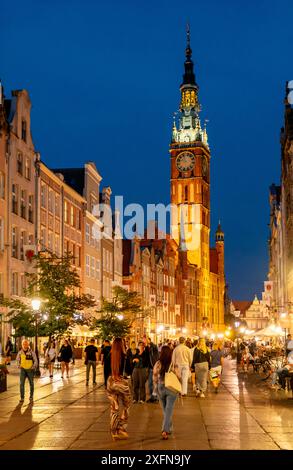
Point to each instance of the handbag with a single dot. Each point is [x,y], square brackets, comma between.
[172,382]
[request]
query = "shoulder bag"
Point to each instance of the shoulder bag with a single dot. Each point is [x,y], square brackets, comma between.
[172,382]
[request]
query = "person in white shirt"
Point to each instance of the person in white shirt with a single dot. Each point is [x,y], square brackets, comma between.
[182,360]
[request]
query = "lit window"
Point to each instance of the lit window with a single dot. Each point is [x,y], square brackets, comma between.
[27,168]
[43,196]
[19,163]
[66,213]
[57,205]
[98,270]
[72,216]
[92,266]
[87,233]
[51,201]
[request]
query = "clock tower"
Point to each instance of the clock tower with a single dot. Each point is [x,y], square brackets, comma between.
[190,175]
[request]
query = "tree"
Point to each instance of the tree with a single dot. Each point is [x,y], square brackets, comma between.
[56,282]
[118,316]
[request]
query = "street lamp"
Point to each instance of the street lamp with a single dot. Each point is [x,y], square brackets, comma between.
[36,303]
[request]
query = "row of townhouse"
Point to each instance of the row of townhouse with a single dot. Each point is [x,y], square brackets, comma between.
[281,226]
[49,209]
[171,288]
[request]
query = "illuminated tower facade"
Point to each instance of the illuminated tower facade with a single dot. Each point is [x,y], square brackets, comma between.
[190,212]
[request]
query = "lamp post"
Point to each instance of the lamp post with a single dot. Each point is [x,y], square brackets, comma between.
[36,303]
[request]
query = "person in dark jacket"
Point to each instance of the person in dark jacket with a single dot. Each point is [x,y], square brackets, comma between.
[65,355]
[200,365]
[130,355]
[139,374]
[106,360]
[153,357]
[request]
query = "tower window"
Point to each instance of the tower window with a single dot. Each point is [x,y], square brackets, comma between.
[23,130]
[186,194]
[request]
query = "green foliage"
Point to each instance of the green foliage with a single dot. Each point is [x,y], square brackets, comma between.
[109,326]
[56,283]
[124,303]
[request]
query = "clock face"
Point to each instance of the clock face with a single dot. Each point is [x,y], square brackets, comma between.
[204,166]
[185,161]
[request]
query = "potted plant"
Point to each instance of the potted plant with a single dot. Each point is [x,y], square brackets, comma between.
[3,377]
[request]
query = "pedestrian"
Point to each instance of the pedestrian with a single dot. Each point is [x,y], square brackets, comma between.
[50,357]
[91,360]
[200,365]
[139,374]
[167,397]
[194,344]
[65,355]
[153,357]
[118,391]
[130,354]
[216,364]
[27,363]
[181,360]
[8,350]
[106,360]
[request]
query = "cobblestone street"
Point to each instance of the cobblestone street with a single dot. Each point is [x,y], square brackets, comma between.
[68,415]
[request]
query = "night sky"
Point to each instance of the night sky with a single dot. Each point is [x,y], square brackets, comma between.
[104,82]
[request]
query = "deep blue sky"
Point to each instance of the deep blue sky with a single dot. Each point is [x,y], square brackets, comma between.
[104,82]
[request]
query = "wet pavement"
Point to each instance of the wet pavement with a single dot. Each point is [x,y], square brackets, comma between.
[66,414]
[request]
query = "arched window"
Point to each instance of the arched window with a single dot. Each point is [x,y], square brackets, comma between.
[186,194]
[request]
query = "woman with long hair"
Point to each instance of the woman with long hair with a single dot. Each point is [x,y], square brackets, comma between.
[200,365]
[118,391]
[166,397]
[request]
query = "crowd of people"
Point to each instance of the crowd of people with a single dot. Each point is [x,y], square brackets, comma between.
[253,354]
[136,373]
[130,369]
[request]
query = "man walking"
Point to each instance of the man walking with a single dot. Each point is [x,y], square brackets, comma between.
[153,354]
[182,361]
[91,360]
[27,363]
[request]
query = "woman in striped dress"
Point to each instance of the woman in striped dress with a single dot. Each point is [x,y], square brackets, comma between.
[118,391]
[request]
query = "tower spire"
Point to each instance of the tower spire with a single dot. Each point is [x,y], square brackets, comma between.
[188,76]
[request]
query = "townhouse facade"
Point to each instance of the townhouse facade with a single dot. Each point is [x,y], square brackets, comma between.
[50,210]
